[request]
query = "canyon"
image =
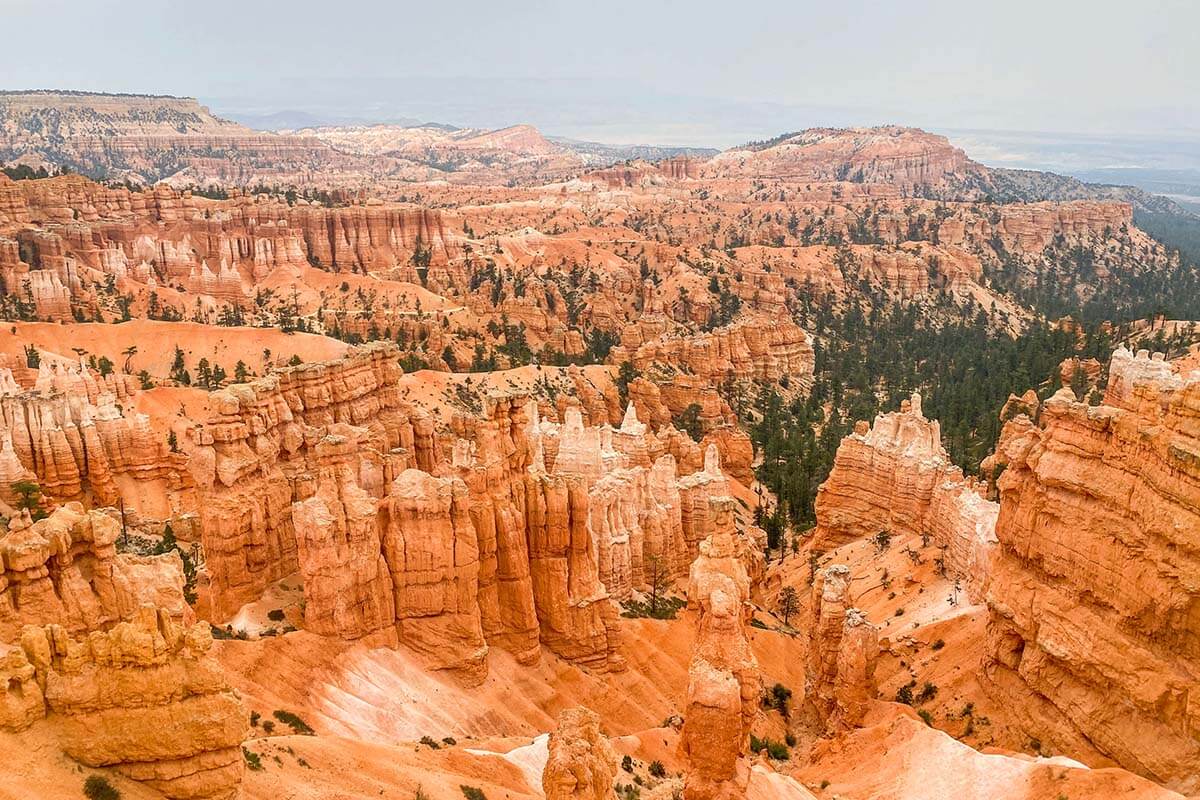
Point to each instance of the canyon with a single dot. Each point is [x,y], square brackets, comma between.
[427,461]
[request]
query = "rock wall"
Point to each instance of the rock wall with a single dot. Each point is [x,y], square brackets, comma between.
[723,679]
[143,698]
[843,649]
[65,570]
[432,553]
[1094,625]
[581,763]
[748,350]
[263,437]
[75,435]
[161,237]
[895,476]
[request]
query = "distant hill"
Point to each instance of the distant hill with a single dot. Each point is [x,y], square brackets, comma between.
[599,154]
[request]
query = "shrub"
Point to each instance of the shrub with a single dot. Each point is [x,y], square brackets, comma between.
[97,787]
[253,761]
[268,727]
[905,694]
[939,644]
[928,692]
[472,792]
[627,763]
[777,750]
[790,739]
[429,742]
[275,615]
[657,769]
[254,718]
[294,722]
[666,608]
[449,741]
[780,695]
[925,715]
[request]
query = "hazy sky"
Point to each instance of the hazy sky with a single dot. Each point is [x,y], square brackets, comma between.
[696,72]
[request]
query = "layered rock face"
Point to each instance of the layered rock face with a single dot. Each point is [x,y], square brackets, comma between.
[146,137]
[348,588]
[65,570]
[102,645]
[161,240]
[431,550]
[1095,596]
[895,156]
[895,476]
[581,764]
[264,436]
[142,697]
[751,349]
[74,434]
[842,653]
[723,679]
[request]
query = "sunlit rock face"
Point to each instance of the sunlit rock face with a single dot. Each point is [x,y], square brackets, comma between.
[1094,628]
[896,477]
[723,678]
[581,764]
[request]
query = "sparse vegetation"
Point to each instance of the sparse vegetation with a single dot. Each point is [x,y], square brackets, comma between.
[294,722]
[98,787]
[253,760]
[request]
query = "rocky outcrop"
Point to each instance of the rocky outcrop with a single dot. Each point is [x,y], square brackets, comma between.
[899,157]
[263,437]
[90,240]
[830,600]
[748,350]
[147,138]
[843,648]
[348,584]
[432,553]
[854,685]
[723,679]
[896,477]
[581,763]
[76,437]
[1094,606]
[143,698]
[65,570]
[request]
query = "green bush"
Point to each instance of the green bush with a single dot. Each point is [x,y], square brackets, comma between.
[657,769]
[472,792]
[429,742]
[777,750]
[97,787]
[253,761]
[294,722]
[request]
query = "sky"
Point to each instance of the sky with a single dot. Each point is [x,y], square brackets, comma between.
[696,72]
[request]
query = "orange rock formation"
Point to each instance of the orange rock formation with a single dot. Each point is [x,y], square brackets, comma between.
[1094,601]
[896,477]
[581,763]
[723,680]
